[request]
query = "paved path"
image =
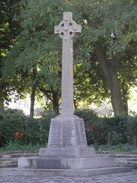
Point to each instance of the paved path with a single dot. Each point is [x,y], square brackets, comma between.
[128,177]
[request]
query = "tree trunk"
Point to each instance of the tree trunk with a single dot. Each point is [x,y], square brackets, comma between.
[52,95]
[1,92]
[125,100]
[33,94]
[109,69]
[116,98]
[32,102]
[55,101]
[75,104]
[1,102]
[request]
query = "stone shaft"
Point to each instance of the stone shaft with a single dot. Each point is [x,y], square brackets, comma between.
[67,78]
[67,30]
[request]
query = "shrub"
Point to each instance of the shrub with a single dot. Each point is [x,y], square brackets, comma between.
[89,134]
[116,127]
[132,130]
[35,130]
[108,131]
[100,134]
[121,129]
[11,122]
[114,138]
[89,117]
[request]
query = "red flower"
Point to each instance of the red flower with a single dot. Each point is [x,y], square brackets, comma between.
[17,134]
[92,127]
[22,135]
[87,132]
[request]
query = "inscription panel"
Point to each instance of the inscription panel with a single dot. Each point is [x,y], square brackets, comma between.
[49,164]
[77,139]
[82,135]
[68,133]
[55,134]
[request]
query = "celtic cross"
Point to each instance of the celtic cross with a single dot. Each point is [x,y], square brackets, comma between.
[67,30]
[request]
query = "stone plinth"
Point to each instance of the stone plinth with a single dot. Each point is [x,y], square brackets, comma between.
[80,152]
[67,132]
[67,139]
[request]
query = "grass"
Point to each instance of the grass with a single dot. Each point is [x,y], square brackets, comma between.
[135,165]
[117,148]
[13,147]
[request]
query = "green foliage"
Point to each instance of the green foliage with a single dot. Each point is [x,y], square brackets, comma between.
[110,24]
[121,129]
[116,133]
[12,146]
[35,130]
[132,130]
[37,48]
[9,30]
[116,128]
[89,135]
[116,148]
[89,117]
[135,165]
[114,138]
[97,136]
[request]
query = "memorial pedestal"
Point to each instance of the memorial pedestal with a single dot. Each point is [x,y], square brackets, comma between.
[67,152]
[67,148]
[67,139]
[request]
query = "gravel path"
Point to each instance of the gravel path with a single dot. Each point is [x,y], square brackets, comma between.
[128,177]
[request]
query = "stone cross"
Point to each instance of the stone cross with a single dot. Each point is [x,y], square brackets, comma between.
[67,30]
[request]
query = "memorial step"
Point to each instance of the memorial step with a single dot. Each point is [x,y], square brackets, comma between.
[64,172]
[8,160]
[124,159]
[65,163]
[11,160]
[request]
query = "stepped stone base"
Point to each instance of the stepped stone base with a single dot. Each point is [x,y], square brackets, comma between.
[63,172]
[65,163]
[75,152]
[67,151]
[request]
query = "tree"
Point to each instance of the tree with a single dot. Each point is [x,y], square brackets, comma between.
[101,53]
[8,32]
[111,29]
[37,49]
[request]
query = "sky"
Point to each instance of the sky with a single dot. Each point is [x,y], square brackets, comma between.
[104,109]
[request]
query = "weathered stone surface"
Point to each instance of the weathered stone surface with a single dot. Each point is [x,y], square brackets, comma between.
[67,152]
[67,30]
[24,163]
[49,163]
[67,132]
[66,163]
[67,139]
[16,175]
